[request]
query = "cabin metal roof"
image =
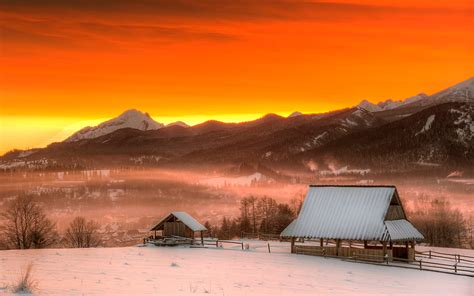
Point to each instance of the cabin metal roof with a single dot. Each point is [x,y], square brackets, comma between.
[350,213]
[184,217]
[402,230]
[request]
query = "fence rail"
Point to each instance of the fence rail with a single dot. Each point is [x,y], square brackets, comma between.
[456,267]
[445,256]
[216,242]
[262,236]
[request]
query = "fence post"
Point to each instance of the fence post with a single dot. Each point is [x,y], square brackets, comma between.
[268,248]
[455,267]
[420,264]
[217,243]
[242,246]
[430,254]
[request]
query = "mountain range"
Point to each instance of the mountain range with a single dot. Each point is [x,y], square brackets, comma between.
[423,132]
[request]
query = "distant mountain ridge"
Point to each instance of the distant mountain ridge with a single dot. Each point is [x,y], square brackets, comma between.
[142,121]
[461,92]
[434,132]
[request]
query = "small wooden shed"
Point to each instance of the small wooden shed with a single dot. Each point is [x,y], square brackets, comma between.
[353,221]
[179,224]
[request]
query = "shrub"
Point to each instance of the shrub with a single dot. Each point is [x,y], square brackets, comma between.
[25,282]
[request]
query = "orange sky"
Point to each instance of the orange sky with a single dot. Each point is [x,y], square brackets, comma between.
[64,65]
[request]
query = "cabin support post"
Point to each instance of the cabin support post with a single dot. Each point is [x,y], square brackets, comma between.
[321,242]
[202,238]
[365,244]
[292,245]
[384,244]
[155,234]
[338,245]
[413,250]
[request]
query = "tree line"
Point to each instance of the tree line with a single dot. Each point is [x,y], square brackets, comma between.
[26,226]
[257,215]
[441,224]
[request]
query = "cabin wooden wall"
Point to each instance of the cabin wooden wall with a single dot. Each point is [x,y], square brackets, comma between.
[174,228]
[395,212]
[365,254]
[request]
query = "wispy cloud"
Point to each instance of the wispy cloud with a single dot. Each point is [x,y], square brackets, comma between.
[135,24]
[214,9]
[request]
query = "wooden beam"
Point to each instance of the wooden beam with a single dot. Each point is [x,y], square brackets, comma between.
[202,238]
[321,242]
[384,244]
[365,244]
[292,245]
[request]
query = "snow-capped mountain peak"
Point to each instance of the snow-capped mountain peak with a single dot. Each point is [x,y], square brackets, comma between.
[295,114]
[178,123]
[369,106]
[129,119]
[390,104]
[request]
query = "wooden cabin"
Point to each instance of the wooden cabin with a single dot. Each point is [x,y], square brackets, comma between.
[178,224]
[365,222]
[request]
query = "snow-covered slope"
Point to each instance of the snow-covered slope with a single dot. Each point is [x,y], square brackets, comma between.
[460,92]
[211,271]
[128,119]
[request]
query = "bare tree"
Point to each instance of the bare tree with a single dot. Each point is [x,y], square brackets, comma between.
[26,225]
[441,224]
[82,233]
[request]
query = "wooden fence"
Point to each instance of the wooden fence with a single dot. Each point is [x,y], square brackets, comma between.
[446,262]
[455,263]
[262,236]
[219,242]
[445,256]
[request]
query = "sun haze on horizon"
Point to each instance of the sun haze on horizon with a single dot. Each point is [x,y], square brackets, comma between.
[65,65]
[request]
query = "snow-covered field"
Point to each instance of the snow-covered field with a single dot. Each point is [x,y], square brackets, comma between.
[228,271]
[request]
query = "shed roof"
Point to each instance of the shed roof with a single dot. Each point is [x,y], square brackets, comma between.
[402,230]
[184,217]
[349,212]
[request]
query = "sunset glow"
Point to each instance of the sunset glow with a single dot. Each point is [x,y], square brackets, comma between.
[64,66]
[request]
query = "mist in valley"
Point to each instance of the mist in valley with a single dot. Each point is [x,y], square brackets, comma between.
[126,202]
